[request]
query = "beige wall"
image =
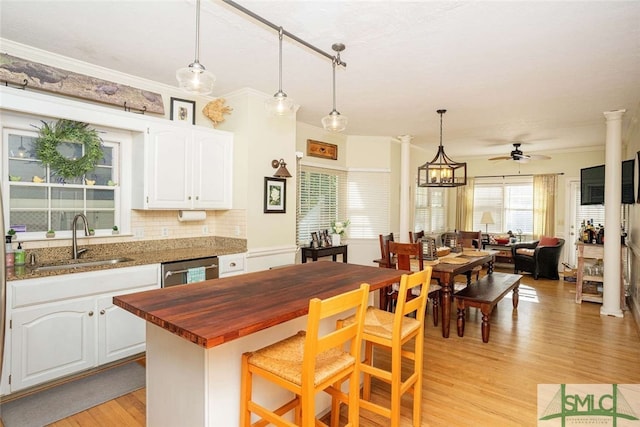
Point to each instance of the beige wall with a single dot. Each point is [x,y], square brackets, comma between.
[260,138]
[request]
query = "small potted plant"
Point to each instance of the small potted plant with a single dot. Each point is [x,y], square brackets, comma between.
[11,232]
[115,230]
[92,232]
[51,234]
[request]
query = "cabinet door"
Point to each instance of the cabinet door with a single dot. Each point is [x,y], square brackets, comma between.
[120,333]
[51,341]
[212,169]
[169,163]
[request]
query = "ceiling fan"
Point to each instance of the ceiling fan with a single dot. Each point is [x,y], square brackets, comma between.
[519,156]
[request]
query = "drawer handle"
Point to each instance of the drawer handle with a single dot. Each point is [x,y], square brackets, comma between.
[233,264]
[91,313]
[102,312]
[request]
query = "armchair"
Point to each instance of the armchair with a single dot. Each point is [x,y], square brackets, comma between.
[540,257]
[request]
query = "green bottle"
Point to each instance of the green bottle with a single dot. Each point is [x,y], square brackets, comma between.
[19,255]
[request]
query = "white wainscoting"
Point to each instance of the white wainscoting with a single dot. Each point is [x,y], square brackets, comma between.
[259,259]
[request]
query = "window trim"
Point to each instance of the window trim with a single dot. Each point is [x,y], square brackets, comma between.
[22,124]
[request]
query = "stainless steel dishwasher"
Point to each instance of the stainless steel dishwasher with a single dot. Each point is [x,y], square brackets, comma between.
[182,272]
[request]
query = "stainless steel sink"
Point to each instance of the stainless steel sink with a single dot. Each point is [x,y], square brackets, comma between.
[81,264]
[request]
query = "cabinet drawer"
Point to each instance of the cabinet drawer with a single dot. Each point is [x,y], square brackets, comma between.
[592,251]
[56,288]
[231,264]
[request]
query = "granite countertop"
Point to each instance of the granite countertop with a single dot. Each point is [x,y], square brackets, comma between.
[139,253]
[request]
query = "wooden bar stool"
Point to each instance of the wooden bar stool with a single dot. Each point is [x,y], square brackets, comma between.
[393,330]
[309,362]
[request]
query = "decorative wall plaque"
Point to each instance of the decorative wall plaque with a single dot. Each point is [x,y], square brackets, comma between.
[44,77]
[322,149]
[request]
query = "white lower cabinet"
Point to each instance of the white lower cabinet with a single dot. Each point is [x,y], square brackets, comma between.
[53,335]
[52,341]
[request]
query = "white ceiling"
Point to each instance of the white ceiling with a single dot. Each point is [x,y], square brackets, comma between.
[540,72]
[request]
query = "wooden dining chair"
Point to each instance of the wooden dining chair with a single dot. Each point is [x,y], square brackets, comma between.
[471,239]
[310,362]
[386,260]
[414,237]
[406,254]
[392,331]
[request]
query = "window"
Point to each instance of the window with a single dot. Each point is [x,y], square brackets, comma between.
[326,195]
[368,203]
[39,200]
[510,201]
[430,212]
[321,200]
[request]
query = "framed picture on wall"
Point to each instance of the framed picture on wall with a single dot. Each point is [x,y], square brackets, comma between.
[182,110]
[275,195]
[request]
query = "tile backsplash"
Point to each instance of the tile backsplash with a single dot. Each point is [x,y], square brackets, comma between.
[162,225]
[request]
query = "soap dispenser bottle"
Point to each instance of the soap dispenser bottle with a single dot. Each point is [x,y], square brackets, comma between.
[19,255]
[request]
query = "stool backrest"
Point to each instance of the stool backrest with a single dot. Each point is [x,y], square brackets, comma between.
[348,335]
[408,301]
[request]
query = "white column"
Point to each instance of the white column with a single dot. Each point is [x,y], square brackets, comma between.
[612,204]
[405,187]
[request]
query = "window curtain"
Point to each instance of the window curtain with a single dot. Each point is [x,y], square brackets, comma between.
[464,206]
[544,205]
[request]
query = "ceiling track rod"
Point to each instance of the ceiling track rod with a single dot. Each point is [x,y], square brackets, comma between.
[285,32]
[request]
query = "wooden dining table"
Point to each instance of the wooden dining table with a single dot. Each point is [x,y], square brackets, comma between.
[445,269]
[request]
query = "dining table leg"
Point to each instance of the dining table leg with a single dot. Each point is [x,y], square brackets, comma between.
[447,287]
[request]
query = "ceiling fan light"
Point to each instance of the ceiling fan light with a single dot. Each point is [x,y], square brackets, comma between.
[334,122]
[279,104]
[196,79]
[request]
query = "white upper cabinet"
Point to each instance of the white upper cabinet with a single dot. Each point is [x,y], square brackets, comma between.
[184,168]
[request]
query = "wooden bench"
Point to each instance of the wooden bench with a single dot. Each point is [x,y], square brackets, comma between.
[485,294]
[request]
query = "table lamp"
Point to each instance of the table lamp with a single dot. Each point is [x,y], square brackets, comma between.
[486,220]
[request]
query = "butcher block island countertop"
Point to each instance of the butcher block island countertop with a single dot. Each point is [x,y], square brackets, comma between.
[218,311]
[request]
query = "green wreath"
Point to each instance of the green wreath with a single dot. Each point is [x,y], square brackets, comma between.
[63,130]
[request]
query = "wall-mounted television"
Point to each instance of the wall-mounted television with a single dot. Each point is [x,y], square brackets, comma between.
[592,184]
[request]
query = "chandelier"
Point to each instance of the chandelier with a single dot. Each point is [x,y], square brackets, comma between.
[442,171]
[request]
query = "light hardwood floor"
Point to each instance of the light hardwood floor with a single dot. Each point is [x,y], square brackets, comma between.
[550,339]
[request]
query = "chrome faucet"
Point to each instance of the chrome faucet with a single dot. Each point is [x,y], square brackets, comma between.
[75,252]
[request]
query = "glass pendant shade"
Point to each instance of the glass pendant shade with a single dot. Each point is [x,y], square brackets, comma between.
[442,171]
[334,122]
[195,78]
[279,104]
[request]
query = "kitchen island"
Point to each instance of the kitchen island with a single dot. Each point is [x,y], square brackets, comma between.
[196,334]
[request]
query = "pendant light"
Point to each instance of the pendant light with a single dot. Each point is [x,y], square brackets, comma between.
[442,171]
[195,78]
[279,105]
[334,121]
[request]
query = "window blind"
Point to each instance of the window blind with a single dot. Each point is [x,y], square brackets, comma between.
[429,212]
[321,200]
[367,203]
[510,201]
